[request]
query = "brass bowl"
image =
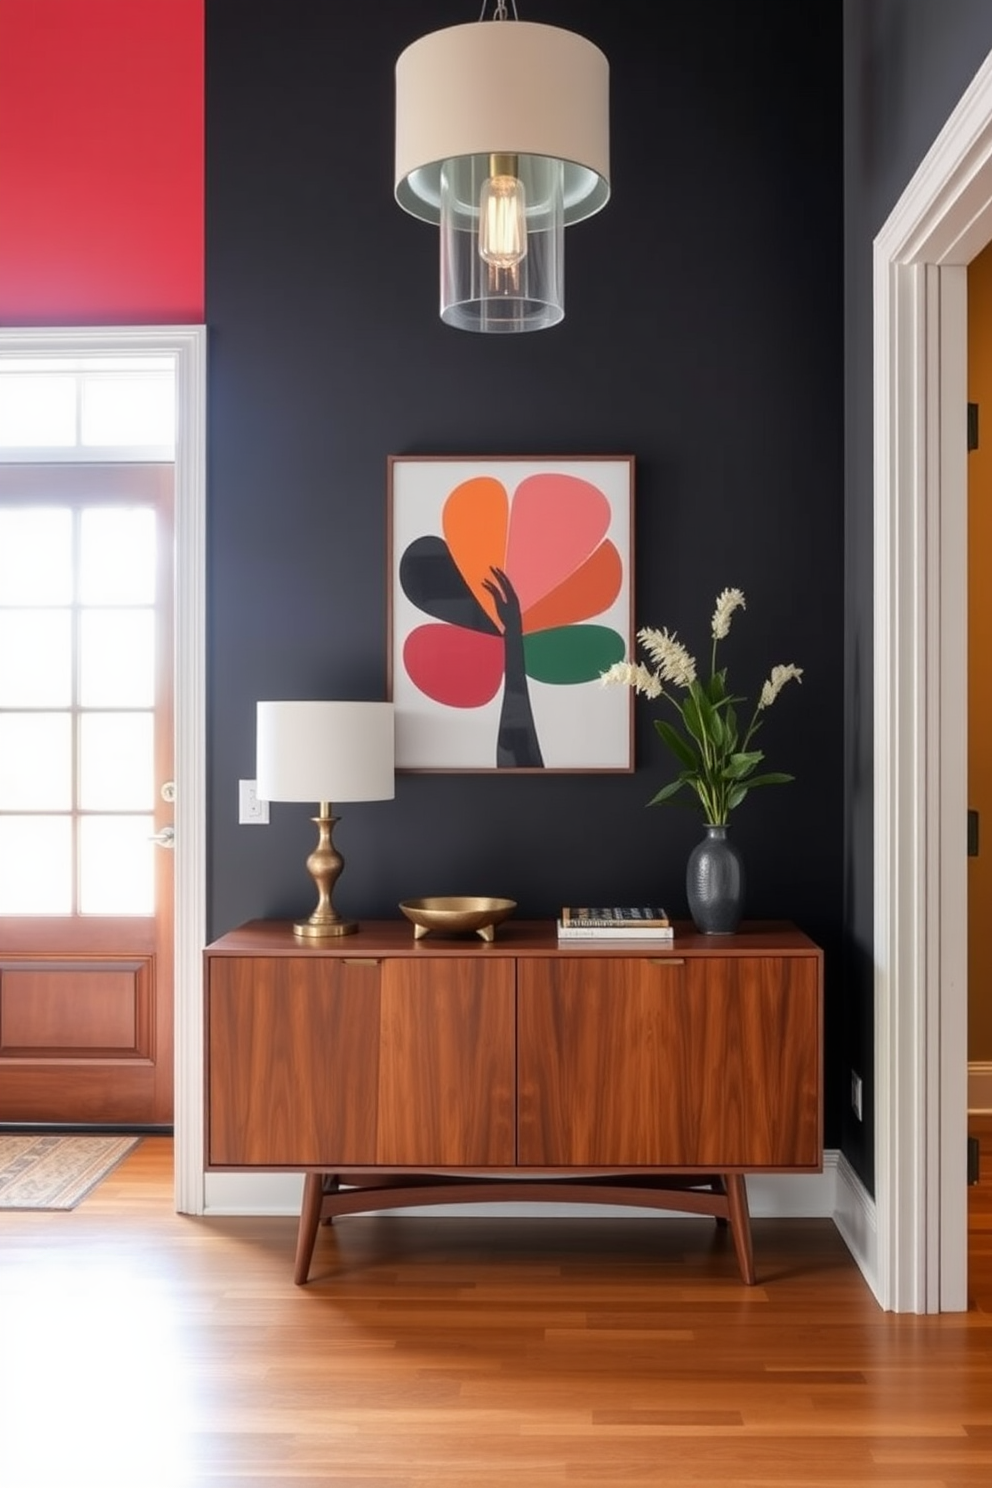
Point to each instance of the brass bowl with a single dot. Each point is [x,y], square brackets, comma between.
[457,914]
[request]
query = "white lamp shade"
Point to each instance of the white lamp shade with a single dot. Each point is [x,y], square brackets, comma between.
[510,87]
[325,751]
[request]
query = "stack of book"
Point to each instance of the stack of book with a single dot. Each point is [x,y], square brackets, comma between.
[617,922]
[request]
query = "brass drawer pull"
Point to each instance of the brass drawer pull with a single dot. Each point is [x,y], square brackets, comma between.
[667,960]
[360,960]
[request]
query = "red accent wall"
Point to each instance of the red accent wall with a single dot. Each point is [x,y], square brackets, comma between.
[101,162]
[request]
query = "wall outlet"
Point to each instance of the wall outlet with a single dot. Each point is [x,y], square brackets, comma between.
[252,810]
[856,1095]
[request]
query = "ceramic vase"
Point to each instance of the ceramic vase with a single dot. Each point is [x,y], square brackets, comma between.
[714,883]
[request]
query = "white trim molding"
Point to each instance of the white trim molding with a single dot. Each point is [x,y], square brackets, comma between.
[855,1216]
[770,1196]
[942,220]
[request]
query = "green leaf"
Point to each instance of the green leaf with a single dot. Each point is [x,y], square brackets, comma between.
[774,779]
[739,765]
[679,746]
[667,791]
[698,714]
[730,721]
[736,796]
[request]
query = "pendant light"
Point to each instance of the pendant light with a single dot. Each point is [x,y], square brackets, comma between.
[502,140]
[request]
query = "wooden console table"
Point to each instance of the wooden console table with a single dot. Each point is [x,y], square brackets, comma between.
[394,1072]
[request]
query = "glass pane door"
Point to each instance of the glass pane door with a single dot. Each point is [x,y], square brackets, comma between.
[77,699]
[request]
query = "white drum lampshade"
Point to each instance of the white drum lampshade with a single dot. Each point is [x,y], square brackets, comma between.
[502,140]
[325,752]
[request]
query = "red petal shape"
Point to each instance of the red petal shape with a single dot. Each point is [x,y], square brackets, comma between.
[459,668]
[556,522]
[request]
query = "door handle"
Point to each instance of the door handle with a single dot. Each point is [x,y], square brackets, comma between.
[165,838]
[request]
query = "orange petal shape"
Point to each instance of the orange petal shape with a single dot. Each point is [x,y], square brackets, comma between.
[556,522]
[474,522]
[587,592]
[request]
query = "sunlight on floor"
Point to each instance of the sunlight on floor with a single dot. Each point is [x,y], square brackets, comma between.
[113,1379]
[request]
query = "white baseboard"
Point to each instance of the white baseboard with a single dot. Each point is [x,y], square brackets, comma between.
[855,1218]
[770,1196]
[979,1086]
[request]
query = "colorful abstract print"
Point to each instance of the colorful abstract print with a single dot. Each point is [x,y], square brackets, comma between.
[511,587]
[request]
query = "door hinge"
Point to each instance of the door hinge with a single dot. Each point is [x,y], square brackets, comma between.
[973,834]
[972,1160]
[972,426]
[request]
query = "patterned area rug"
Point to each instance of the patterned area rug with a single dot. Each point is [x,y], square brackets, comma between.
[56,1172]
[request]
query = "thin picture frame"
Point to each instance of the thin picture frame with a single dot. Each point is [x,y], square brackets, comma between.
[509,593]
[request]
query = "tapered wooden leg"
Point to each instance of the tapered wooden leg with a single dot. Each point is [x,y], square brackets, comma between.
[306,1235]
[740,1224]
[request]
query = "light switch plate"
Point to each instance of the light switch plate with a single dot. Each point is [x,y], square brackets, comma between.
[252,811]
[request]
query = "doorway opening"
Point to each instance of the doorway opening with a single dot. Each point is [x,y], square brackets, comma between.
[180,353]
[940,224]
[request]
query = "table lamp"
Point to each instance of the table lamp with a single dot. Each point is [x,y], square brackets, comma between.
[324,752]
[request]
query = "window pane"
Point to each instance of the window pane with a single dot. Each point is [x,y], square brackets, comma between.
[37,409]
[116,865]
[117,556]
[35,659]
[117,659]
[35,762]
[128,410]
[35,556]
[35,865]
[116,762]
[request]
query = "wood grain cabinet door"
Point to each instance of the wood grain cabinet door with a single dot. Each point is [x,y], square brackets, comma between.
[292,1061]
[700,1064]
[447,1084]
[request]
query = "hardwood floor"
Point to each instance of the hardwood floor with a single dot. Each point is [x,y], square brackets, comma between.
[142,1349]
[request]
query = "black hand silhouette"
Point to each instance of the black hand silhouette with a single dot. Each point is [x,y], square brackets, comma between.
[517,746]
[506,602]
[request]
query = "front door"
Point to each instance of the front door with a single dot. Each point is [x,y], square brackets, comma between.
[86,769]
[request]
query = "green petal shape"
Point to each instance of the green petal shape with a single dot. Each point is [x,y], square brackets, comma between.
[571,653]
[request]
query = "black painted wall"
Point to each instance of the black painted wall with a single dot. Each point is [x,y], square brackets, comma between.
[703,335]
[905,66]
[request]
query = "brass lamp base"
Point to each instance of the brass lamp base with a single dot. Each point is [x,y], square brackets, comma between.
[324,864]
[323,929]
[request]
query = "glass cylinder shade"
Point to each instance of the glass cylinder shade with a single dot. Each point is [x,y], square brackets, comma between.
[527,294]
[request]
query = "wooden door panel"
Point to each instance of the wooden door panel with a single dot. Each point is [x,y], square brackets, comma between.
[446,1078]
[292,1062]
[701,1064]
[78,1038]
[55,1009]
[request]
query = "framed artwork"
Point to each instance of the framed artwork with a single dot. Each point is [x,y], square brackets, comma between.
[509,593]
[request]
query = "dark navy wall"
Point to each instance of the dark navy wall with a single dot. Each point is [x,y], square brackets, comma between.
[703,335]
[905,65]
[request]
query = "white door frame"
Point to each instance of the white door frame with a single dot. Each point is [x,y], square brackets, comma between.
[942,220]
[186,345]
